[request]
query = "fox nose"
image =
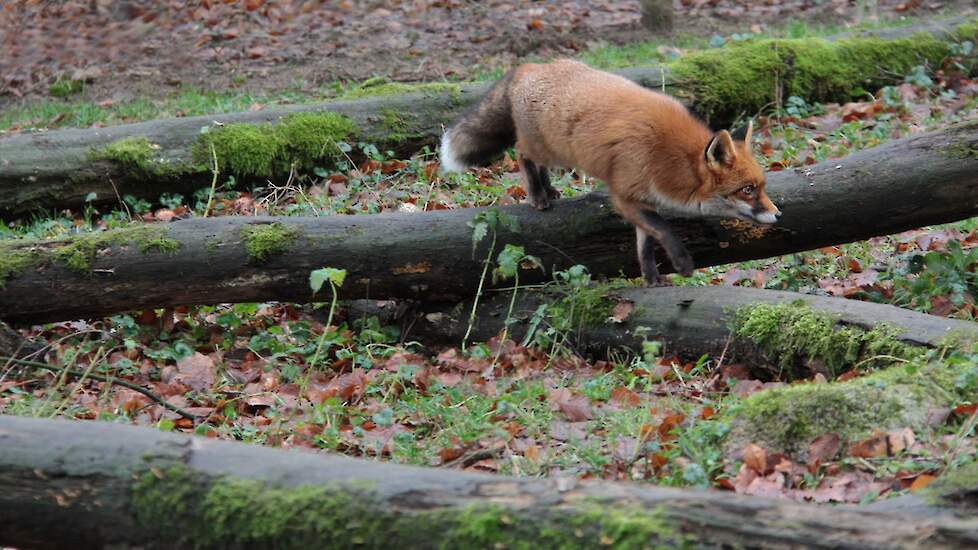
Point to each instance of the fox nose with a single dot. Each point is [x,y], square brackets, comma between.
[777,213]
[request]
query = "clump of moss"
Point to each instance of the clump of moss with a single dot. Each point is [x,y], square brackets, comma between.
[261,150]
[745,76]
[263,241]
[371,89]
[138,155]
[226,512]
[14,261]
[312,136]
[79,252]
[788,419]
[791,333]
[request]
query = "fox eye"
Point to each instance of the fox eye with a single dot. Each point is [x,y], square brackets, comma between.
[748,190]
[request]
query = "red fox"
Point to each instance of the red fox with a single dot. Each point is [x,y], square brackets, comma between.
[647,147]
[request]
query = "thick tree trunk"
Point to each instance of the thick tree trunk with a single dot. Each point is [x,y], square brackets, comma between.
[692,321]
[56,169]
[927,179]
[92,485]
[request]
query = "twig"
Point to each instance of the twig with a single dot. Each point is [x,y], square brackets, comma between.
[216,171]
[101,378]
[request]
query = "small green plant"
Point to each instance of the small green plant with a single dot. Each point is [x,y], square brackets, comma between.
[335,278]
[509,262]
[482,224]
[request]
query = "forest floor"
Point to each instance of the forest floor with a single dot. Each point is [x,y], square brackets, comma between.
[314,376]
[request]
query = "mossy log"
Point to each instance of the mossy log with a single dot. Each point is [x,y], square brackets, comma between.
[66,168]
[692,321]
[928,179]
[74,485]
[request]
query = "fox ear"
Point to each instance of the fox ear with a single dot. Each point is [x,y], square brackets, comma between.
[744,133]
[720,150]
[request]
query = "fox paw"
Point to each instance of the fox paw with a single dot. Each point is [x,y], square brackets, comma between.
[540,203]
[683,265]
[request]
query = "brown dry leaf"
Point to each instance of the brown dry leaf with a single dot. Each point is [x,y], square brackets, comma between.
[900,440]
[922,481]
[348,387]
[755,458]
[823,448]
[873,447]
[625,397]
[622,310]
[576,407]
[668,424]
[196,371]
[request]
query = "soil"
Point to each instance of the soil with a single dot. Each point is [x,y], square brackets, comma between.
[142,48]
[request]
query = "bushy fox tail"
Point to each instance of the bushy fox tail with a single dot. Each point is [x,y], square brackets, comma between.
[482,133]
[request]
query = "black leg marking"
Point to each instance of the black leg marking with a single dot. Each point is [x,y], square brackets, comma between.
[535,183]
[646,257]
[682,262]
[545,180]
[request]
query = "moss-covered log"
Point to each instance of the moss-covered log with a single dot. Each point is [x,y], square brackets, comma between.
[95,485]
[927,179]
[66,168]
[789,335]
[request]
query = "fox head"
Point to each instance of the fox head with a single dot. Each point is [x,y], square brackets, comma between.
[736,180]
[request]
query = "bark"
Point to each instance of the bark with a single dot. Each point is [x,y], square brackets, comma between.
[12,344]
[692,321]
[54,169]
[92,485]
[928,179]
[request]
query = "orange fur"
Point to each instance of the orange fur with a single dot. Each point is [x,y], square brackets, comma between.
[646,146]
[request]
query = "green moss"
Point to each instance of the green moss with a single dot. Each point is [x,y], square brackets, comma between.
[744,76]
[261,150]
[792,333]
[788,419]
[313,136]
[371,89]
[139,155]
[265,240]
[222,513]
[14,260]
[958,488]
[79,252]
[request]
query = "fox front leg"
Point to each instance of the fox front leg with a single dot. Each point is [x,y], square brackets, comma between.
[659,229]
[646,258]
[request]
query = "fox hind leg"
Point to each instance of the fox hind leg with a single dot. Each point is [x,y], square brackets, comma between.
[536,183]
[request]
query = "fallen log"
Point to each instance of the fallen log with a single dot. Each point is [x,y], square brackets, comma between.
[93,485]
[927,179]
[67,168]
[690,321]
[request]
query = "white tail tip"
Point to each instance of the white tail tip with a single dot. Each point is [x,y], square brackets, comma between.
[449,161]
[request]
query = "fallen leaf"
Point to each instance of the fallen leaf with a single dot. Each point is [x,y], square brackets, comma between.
[196,371]
[576,407]
[823,448]
[922,481]
[872,447]
[625,397]
[755,458]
